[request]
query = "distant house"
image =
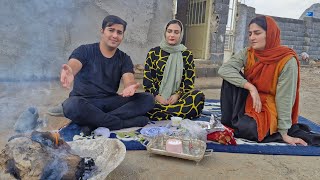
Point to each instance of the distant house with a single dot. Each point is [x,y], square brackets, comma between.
[313,9]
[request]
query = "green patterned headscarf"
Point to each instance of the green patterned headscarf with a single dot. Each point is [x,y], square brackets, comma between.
[173,71]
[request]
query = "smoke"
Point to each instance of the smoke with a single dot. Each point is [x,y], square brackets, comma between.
[55,170]
[16,98]
[27,121]
[36,38]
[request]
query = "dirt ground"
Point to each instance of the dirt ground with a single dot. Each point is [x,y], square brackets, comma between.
[16,97]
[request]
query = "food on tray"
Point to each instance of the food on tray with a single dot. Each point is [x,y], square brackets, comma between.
[174,146]
[191,149]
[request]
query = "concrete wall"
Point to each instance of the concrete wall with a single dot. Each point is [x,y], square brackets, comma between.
[37,36]
[312,37]
[301,35]
[219,19]
[244,16]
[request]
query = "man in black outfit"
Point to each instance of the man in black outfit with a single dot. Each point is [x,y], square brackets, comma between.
[96,70]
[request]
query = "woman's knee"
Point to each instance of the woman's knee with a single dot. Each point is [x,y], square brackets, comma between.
[246,127]
[199,95]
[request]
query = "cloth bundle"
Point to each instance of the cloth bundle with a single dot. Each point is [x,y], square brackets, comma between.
[225,137]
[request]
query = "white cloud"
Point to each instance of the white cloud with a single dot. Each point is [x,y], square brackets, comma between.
[281,8]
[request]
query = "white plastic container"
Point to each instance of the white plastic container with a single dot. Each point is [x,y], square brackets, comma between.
[175,121]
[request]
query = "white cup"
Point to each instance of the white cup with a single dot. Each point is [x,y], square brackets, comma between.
[175,121]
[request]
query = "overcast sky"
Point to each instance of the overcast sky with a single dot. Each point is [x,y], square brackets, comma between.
[281,8]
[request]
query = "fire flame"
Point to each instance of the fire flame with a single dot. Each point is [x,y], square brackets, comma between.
[56,136]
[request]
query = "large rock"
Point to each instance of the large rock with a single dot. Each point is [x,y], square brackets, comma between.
[107,154]
[24,158]
[42,155]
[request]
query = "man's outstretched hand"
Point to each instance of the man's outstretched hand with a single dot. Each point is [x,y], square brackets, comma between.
[130,90]
[67,77]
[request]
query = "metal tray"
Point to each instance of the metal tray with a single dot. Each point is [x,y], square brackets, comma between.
[192,149]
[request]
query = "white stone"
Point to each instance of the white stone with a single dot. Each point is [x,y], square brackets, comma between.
[107,154]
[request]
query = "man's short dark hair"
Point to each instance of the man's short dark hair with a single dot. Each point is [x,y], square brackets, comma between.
[111,20]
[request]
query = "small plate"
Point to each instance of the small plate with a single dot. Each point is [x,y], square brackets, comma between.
[155,131]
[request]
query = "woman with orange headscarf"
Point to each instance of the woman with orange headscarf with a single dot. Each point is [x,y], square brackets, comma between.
[261,104]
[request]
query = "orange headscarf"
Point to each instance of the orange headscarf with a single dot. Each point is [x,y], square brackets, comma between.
[263,74]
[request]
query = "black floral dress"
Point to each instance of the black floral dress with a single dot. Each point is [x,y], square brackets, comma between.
[190,103]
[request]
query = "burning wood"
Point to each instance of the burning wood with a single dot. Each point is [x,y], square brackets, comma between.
[42,155]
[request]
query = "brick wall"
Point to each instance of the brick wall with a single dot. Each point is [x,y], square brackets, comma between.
[301,35]
[312,37]
[292,33]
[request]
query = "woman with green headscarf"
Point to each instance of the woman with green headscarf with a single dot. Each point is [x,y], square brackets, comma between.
[169,75]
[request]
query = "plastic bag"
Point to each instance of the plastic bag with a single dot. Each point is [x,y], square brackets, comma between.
[220,133]
[193,130]
[215,125]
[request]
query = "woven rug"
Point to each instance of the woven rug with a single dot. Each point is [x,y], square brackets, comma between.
[133,140]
